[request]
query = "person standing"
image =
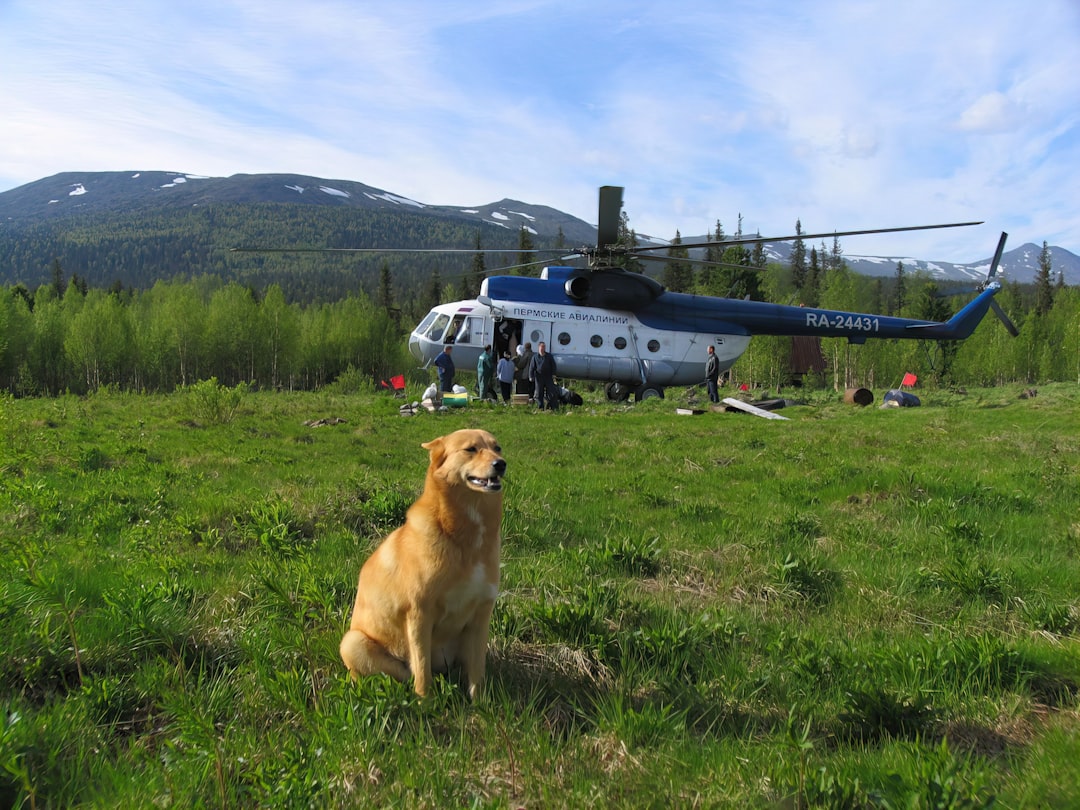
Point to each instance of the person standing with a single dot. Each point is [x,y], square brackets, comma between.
[543,377]
[505,374]
[525,384]
[712,374]
[485,371]
[444,364]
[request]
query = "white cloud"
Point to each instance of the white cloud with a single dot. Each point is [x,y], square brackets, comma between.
[841,114]
[991,112]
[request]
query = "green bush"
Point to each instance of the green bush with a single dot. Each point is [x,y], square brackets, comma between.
[214,404]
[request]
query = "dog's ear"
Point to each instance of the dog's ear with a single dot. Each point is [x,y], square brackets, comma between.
[437,449]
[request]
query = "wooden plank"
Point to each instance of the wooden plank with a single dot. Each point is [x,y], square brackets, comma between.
[756,411]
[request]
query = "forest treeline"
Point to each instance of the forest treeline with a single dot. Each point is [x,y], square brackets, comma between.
[136,249]
[178,332]
[68,336]
[158,301]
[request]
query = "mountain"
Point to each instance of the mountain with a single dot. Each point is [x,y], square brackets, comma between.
[137,226]
[1020,264]
[90,193]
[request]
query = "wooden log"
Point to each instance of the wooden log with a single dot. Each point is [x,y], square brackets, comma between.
[753,409]
[859,396]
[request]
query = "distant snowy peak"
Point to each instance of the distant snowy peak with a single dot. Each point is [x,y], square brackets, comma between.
[88,193]
[1020,264]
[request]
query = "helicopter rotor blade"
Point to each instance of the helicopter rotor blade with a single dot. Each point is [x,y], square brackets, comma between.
[754,240]
[1005,319]
[701,263]
[994,305]
[503,270]
[607,226]
[997,258]
[392,250]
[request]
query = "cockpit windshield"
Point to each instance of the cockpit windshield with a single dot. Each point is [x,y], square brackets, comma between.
[436,328]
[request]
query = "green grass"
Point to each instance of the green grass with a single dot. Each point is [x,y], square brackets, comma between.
[854,608]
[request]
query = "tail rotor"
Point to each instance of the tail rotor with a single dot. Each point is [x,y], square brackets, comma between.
[994,305]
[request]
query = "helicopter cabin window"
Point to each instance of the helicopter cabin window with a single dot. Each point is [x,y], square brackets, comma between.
[654,345]
[620,343]
[437,327]
[461,329]
[596,341]
[564,338]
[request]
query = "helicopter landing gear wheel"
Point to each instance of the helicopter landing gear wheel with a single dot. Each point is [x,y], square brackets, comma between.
[617,392]
[648,392]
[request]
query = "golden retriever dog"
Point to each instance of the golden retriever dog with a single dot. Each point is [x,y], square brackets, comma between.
[425,596]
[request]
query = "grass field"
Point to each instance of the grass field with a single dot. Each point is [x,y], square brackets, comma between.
[854,608]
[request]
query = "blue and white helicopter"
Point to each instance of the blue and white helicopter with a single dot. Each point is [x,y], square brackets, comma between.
[610,325]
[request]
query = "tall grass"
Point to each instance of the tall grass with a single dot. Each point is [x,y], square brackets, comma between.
[854,608]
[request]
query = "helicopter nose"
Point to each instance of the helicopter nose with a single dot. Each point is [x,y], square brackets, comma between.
[415,348]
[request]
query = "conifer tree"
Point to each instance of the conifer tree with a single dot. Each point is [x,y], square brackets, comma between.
[1044,291]
[798,259]
[812,283]
[627,238]
[900,293]
[707,273]
[526,258]
[738,278]
[58,283]
[478,271]
[433,291]
[757,258]
[386,287]
[677,276]
[837,256]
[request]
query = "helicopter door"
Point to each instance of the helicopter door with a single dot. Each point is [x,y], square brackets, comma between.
[637,355]
[507,336]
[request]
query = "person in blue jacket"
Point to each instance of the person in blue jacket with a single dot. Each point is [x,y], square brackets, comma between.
[504,372]
[444,364]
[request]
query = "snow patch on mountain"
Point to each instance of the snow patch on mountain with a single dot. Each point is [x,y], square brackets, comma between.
[393,198]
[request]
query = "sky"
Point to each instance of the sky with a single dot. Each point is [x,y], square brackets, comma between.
[838,114]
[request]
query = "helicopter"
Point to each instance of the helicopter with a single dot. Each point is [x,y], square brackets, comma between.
[607,324]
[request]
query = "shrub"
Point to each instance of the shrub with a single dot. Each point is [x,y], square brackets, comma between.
[213,403]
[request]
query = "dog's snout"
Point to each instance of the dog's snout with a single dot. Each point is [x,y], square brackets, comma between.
[499,465]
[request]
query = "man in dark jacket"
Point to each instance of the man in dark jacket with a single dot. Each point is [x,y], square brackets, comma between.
[444,364]
[712,374]
[543,375]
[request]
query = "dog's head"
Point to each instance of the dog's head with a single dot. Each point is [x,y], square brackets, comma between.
[471,458]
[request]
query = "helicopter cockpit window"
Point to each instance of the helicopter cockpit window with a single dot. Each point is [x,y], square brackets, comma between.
[437,328]
[564,338]
[596,341]
[459,330]
[654,345]
[471,331]
[424,324]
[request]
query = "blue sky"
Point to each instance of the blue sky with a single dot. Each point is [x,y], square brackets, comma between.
[839,113]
